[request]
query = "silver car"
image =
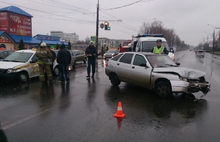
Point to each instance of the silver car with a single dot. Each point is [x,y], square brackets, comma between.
[157,72]
[110,54]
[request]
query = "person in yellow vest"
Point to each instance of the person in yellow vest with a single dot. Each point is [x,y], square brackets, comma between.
[44,55]
[159,49]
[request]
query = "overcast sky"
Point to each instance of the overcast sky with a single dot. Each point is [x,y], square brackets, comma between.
[189,18]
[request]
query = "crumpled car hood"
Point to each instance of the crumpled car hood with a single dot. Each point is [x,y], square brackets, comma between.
[184,72]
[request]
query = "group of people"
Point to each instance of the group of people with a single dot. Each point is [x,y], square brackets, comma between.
[64,59]
[46,58]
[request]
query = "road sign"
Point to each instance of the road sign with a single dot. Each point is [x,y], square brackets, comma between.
[102,25]
[93,38]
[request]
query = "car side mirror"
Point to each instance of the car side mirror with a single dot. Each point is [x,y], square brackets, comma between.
[177,64]
[33,61]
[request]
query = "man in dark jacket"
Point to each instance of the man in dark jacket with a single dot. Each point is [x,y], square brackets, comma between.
[64,59]
[91,54]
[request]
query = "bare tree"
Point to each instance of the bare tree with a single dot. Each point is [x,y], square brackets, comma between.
[157,27]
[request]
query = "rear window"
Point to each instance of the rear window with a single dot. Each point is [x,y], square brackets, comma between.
[200,51]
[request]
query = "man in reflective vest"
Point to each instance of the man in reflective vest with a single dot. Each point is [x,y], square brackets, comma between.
[159,49]
[44,55]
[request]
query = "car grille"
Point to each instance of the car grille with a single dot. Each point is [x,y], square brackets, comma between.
[199,80]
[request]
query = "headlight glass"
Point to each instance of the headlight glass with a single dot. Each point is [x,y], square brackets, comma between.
[10,71]
[182,78]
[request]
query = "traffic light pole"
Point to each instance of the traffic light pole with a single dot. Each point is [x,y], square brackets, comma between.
[97,34]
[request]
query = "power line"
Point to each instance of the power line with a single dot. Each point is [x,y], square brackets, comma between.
[76,20]
[123,5]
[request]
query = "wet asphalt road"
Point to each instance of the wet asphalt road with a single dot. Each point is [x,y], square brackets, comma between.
[83,109]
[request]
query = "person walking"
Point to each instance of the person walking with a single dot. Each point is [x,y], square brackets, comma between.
[159,49]
[52,59]
[64,59]
[91,54]
[44,55]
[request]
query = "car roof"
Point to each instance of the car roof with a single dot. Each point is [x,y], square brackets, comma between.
[143,53]
[152,39]
[26,51]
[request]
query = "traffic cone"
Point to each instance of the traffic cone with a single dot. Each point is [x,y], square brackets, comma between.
[119,113]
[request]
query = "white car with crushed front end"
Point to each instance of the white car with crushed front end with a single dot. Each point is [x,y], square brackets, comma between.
[157,72]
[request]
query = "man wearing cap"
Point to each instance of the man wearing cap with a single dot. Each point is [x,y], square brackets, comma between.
[44,55]
[91,54]
[159,49]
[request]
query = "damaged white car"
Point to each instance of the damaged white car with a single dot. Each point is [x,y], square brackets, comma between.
[157,72]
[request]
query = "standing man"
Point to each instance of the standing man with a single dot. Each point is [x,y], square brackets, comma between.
[91,54]
[52,59]
[44,55]
[159,49]
[64,59]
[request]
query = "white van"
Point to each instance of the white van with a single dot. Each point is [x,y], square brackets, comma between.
[146,43]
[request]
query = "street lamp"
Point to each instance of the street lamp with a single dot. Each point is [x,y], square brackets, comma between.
[213,43]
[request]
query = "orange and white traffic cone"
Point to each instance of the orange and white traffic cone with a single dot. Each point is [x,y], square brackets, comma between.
[119,113]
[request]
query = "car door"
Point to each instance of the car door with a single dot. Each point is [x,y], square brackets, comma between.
[123,67]
[81,55]
[34,68]
[141,74]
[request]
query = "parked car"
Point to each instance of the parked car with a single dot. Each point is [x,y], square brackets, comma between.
[72,63]
[200,53]
[5,53]
[22,65]
[110,53]
[157,72]
[80,56]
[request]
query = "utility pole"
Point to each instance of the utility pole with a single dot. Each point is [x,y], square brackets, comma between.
[97,33]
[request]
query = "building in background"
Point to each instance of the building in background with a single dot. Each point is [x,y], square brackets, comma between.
[15,24]
[68,37]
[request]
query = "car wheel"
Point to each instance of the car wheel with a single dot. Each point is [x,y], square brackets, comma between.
[56,71]
[23,77]
[163,89]
[114,79]
[84,61]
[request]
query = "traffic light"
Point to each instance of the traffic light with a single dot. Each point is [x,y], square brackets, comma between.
[106,24]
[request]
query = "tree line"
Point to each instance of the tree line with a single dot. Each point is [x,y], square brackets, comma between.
[172,38]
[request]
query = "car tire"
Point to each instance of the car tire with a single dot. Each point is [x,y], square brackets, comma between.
[84,61]
[114,79]
[23,77]
[56,71]
[163,89]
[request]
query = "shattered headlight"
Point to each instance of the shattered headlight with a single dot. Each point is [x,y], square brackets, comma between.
[182,78]
[10,70]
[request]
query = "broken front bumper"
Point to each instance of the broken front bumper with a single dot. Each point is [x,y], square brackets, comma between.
[188,88]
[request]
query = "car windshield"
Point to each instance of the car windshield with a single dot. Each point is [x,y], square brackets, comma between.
[18,57]
[158,61]
[149,45]
[74,51]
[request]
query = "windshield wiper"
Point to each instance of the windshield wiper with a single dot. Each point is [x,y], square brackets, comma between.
[172,65]
[6,60]
[15,61]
